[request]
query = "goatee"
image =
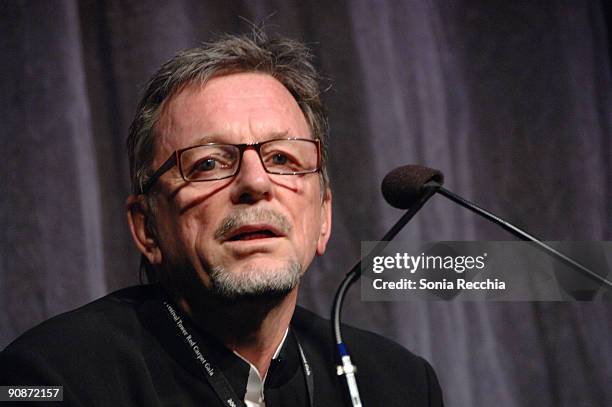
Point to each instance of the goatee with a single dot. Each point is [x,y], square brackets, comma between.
[255,283]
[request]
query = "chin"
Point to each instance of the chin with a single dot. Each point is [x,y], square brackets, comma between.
[253,282]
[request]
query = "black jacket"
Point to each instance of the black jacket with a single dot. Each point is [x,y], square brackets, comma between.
[123,350]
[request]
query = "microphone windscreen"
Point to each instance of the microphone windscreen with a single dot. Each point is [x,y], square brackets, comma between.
[404,185]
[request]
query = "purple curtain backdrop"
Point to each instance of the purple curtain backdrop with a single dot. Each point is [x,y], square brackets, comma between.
[512,100]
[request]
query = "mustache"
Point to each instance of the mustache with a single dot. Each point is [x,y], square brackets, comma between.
[248,216]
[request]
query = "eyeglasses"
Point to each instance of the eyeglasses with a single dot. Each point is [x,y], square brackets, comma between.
[213,161]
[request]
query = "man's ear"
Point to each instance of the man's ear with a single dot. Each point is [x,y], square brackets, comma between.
[139,218]
[326,222]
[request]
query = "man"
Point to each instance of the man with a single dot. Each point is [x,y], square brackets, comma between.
[231,202]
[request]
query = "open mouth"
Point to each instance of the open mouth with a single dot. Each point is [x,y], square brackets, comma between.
[259,234]
[252,233]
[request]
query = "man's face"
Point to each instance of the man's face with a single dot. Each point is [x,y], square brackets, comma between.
[255,231]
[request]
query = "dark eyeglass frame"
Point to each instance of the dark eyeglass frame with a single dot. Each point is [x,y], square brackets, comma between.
[175,158]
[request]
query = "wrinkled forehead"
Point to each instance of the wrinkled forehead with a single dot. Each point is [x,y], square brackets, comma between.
[235,108]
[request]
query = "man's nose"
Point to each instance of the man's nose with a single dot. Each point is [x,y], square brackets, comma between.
[252,183]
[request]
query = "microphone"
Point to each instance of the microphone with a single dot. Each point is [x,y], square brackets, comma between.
[405,186]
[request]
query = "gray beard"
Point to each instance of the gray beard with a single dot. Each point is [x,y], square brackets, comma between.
[256,283]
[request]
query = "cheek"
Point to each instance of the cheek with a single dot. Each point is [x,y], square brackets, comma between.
[310,230]
[308,219]
[183,233]
[199,229]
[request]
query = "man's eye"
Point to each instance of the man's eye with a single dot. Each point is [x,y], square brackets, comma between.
[207,164]
[279,159]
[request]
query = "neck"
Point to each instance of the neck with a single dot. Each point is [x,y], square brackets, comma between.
[254,328]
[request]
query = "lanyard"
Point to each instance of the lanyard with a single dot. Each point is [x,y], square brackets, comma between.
[215,376]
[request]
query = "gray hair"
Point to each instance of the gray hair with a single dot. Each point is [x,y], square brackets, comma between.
[288,61]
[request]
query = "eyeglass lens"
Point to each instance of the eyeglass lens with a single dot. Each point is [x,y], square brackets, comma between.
[218,161]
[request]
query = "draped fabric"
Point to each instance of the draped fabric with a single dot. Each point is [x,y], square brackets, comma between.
[511,100]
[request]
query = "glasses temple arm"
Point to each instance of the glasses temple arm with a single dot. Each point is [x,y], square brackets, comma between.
[170,162]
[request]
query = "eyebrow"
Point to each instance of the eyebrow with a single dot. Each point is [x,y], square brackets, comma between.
[218,138]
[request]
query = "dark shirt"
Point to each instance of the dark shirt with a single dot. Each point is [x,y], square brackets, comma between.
[125,350]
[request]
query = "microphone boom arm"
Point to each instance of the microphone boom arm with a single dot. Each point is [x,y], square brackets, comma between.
[521,234]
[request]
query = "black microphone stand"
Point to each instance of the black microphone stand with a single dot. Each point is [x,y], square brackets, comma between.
[346,367]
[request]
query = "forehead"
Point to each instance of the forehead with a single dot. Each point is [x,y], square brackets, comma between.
[236,108]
